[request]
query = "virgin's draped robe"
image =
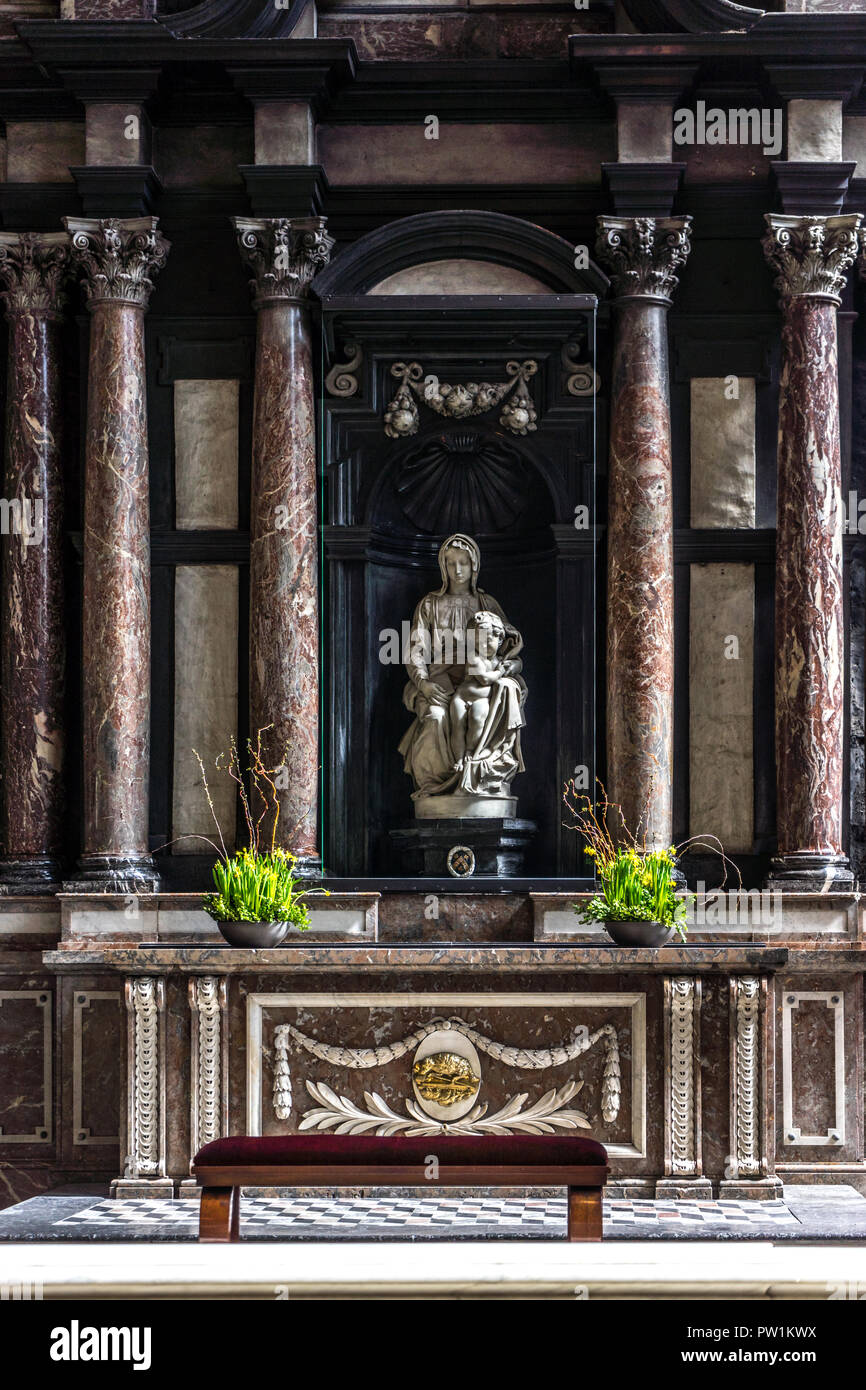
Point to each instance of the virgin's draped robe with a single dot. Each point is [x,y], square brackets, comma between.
[438,635]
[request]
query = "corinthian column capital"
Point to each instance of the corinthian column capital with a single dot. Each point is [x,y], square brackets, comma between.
[811,255]
[283,254]
[33,269]
[644,253]
[118,257]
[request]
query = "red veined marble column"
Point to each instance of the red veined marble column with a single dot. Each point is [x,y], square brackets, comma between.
[811,257]
[118,257]
[643,253]
[33,268]
[283,255]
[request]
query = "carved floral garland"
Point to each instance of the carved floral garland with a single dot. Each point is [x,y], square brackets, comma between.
[460,401]
[336,1109]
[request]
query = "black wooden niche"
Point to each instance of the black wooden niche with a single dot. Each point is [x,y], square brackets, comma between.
[390,502]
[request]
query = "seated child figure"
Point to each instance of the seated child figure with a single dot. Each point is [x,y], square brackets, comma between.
[470,704]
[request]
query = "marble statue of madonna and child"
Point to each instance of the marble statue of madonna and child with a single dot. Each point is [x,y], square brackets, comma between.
[467,694]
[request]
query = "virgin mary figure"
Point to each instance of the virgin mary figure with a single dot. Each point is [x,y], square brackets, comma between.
[466,692]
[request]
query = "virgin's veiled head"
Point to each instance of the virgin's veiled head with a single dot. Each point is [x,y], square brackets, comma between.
[459,542]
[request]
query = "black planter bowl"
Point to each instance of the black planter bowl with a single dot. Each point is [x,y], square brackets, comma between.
[254,935]
[639,933]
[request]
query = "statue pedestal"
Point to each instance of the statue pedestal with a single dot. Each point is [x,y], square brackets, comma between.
[462,807]
[463,847]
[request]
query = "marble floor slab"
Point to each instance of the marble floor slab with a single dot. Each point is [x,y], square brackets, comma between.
[274,1271]
[806,1213]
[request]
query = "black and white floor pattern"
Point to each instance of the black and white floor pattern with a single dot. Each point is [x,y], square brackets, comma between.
[442,1215]
[806,1213]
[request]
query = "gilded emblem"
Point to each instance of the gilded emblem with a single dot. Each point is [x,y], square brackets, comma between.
[445,1078]
[460,862]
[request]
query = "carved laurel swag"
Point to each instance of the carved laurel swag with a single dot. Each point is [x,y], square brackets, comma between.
[644,253]
[145,998]
[118,257]
[461,400]
[745,1081]
[528,1059]
[811,255]
[283,254]
[341,1115]
[207,999]
[682,1075]
[34,268]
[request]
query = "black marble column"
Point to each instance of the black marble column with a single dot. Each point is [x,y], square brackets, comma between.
[33,269]
[118,259]
[811,257]
[283,255]
[643,254]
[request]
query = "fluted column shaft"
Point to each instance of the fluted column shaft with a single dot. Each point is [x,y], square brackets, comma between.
[643,254]
[33,269]
[117,258]
[811,256]
[283,255]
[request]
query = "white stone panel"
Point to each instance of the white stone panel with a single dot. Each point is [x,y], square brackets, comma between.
[205,700]
[722,453]
[721,680]
[815,130]
[644,132]
[206,455]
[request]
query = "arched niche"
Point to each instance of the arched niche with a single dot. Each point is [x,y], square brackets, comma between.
[477,241]
[465,296]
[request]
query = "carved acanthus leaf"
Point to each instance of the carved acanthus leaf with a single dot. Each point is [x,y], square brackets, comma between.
[34,267]
[644,253]
[283,254]
[118,257]
[811,255]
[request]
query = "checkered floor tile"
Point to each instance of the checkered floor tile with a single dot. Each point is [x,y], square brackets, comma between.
[728,1213]
[461,1213]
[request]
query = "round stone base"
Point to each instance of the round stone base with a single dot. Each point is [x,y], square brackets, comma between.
[109,873]
[308,866]
[804,872]
[29,877]
[463,807]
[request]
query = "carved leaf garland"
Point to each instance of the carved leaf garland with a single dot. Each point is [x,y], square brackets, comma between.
[343,1116]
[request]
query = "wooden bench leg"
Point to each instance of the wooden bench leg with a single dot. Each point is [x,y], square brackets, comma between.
[584,1213]
[219,1214]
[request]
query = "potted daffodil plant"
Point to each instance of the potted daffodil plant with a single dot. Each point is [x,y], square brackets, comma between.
[640,899]
[259,898]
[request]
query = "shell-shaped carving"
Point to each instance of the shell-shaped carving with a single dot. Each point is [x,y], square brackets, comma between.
[462,482]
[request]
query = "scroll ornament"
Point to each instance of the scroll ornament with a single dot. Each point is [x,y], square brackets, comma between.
[342,379]
[581,378]
[460,401]
[529,1059]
